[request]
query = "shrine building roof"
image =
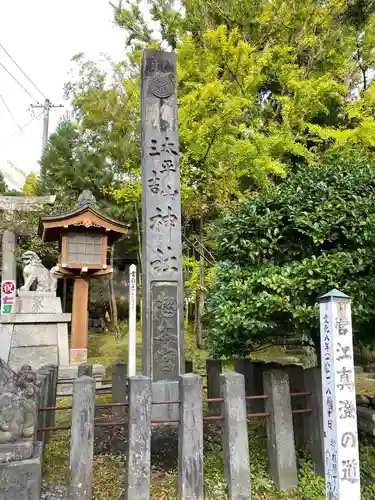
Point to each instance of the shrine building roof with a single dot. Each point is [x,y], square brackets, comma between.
[86,216]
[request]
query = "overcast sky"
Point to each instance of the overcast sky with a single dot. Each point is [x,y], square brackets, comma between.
[42,36]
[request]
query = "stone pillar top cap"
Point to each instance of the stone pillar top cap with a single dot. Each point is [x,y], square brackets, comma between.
[334,294]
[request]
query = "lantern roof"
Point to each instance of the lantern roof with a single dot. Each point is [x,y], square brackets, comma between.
[85,216]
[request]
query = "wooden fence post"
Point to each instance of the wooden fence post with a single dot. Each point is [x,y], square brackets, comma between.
[82,439]
[190,441]
[188,366]
[280,436]
[235,440]
[119,390]
[138,457]
[84,369]
[300,420]
[213,369]
[43,377]
[52,394]
[252,370]
[313,384]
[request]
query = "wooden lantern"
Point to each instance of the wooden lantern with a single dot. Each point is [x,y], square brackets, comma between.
[84,235]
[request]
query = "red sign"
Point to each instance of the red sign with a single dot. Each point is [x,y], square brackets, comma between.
[8,295]
[8,287]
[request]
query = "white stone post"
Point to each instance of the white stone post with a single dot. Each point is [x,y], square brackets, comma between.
[339,401]
[132,345]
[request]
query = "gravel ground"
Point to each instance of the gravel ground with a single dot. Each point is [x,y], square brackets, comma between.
[53,492]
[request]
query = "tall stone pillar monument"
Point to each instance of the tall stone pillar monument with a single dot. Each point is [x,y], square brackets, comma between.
[163,353]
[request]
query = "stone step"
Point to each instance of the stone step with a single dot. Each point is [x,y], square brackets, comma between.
[295,352]
[366,426]
[366,413]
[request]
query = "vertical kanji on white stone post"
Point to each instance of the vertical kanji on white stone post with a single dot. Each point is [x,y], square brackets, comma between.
[132,346]
[339,401]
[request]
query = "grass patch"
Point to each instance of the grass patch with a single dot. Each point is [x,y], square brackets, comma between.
[364,385]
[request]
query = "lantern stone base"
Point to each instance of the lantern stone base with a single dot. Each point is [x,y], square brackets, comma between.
[68,373]
[19,450]
[78,356]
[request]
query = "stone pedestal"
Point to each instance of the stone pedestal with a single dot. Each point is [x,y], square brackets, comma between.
[37,333]
[21,479]
[20,450]
[71,372]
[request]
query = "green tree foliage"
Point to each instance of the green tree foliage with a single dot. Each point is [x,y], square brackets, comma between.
[100,150]
[281,249]
[263,86]
[107,108]
[30,186]
[3,186]
[71,163]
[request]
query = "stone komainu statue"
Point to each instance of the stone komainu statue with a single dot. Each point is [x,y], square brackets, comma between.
[18,407]
[33,270]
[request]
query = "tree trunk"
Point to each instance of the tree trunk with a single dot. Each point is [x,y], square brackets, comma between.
[113,302]
[201,300]
[201,294]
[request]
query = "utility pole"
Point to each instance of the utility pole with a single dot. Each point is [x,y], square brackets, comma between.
[47,106]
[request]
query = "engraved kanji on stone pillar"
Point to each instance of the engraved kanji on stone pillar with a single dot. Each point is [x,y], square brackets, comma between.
[162,354]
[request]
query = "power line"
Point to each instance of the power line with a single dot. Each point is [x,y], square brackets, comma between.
[11,114]
[32,119]
[20,84]
[24,126]
[22,71]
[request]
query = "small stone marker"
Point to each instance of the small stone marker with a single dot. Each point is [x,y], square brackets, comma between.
[82,439]
[138,457]
[132,351]
[342,472]
[234,436]
[190,442]
[280,435]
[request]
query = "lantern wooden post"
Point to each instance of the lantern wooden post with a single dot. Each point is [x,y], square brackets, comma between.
[78,349]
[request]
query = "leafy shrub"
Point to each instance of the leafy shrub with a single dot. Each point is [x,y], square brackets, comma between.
[282,248]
